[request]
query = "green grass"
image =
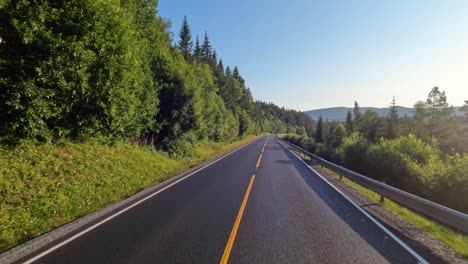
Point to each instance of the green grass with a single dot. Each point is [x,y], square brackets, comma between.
[45,186]
[454,239]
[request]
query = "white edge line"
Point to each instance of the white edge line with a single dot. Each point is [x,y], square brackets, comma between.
[403,244]
[44,253]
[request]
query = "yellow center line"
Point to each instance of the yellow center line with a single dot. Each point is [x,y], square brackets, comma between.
[259,159]
[232,237]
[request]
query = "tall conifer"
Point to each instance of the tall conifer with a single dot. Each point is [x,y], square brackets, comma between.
[197,51]
[185,42]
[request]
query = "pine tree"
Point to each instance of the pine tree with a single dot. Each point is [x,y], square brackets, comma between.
[185,42]
[220,66]
[219,73]
[309,125]
[319,131]
[442,126]
[330,132]
[197,51]
[235,72]
[237,76]
[357,116]
[349,122]
[393,126]
[440,115]
[228,73]
[213,60]
[357,111]
[206,49]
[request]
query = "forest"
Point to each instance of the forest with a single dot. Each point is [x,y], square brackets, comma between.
[424,154]
[111,70]
[99,100]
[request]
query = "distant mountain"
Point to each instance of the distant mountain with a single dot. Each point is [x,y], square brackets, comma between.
[339,113]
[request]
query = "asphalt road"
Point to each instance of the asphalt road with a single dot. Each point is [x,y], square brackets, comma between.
[285,214]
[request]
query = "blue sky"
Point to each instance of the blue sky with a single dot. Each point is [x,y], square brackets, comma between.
[305,54]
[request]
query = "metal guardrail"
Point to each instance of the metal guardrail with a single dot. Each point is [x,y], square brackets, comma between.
[433,210]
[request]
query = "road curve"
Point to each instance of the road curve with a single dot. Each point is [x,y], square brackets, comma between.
[223,213]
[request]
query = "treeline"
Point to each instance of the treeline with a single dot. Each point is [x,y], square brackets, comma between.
[108,70]
[424,154]
[270,117]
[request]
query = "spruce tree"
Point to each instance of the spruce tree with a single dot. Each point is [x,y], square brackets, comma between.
[357,116]
[220,66]
[393,126]
[228,73]
[330,132]
[219,74]
[237,76]
[185,42]
[319,131]
[197,51]
[349,122]
[212,60]
[357,111]
[393,114]
[206,49]
[235,73]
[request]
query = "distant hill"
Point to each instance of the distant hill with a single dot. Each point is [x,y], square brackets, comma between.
[339,113]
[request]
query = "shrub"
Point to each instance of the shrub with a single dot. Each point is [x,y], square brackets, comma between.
[325,151]
[302,141]
[451,187]
[405,162]
[306,143]
[353,152]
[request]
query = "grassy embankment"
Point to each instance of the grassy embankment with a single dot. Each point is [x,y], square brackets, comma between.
[45,186]
[450,237]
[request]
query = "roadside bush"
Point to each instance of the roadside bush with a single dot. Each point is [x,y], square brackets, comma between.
[416,149]
[293,138]
[405,162]
[410,164]
[352,154]
[325,151]
[302,141]
[451,186]
[306,143]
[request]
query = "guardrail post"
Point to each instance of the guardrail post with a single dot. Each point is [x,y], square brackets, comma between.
[341,177]
[382,198]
